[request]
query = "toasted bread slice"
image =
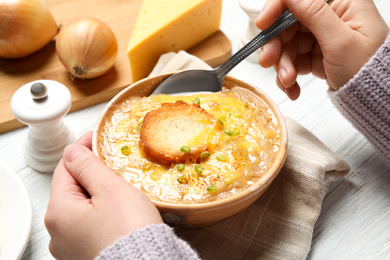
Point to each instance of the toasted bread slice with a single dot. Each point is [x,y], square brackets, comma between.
[166,130]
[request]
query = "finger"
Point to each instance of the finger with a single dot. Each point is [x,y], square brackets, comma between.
[89,171]
[287,34]
[270,53]
[86,140]
[317,61]
[286,70]
[64,185]
[279,84]
[52,249]
[303,64]
[293,92]
[310,62]
[271,10]
[305,42]
[319,18]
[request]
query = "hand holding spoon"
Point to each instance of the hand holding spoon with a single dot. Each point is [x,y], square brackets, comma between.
[211,80]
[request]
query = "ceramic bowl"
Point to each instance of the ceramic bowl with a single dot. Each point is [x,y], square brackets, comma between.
[207,213]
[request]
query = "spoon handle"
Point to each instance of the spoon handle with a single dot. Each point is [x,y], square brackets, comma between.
[282,23]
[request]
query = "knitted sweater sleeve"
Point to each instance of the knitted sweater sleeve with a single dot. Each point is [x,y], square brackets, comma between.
[365,100]
[156,241]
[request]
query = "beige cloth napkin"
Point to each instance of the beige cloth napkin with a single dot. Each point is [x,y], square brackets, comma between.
[279,225]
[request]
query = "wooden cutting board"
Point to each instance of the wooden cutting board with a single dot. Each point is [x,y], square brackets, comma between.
[120,15]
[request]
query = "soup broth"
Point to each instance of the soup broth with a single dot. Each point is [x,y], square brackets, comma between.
[243,147]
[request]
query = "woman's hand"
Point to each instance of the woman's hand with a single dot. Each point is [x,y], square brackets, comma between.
[90,207]
[331,41]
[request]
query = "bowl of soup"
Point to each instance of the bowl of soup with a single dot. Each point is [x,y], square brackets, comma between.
[200,157]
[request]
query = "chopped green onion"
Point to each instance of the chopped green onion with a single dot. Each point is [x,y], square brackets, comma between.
[237,115]
[212,187]
[196,101]
[236,131]
[204,155]
[199,168]
[140,121]
[180,167]
[138,128]
[185,149]
[182,179]
[125,150]
[228,132]
[221,157]
[220,121]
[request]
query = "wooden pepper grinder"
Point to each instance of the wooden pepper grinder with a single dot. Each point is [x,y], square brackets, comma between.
[252,8]
[42,105]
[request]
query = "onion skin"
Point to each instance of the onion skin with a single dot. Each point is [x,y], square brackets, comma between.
[25,27]
[87,48]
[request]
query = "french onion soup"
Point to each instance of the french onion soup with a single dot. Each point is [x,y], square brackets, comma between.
[190,148]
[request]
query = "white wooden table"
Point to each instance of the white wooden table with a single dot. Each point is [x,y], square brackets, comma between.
[355,219]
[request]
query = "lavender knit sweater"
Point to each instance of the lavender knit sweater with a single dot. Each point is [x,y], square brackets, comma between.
[364,100]
[156,241]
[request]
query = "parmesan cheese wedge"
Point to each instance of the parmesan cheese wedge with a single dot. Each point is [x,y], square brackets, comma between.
[169,26]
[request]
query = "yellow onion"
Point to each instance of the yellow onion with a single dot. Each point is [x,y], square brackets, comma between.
[25,27]
[87,48]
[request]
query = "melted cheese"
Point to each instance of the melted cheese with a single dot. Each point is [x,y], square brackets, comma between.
[166,26]
[244,144]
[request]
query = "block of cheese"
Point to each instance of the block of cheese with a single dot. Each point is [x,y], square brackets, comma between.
[169,26]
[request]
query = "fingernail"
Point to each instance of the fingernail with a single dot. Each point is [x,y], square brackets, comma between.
[72,151]
[282,74]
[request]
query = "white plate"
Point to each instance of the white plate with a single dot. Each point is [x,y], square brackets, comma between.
[15,215]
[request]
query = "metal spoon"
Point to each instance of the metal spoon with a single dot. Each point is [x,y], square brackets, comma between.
[211,80]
